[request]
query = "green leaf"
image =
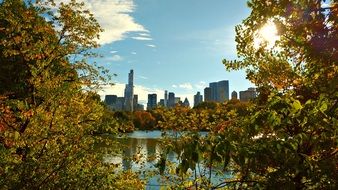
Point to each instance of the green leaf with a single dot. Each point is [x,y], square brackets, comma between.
[297,105]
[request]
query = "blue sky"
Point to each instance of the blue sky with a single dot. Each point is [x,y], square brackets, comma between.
[174,45]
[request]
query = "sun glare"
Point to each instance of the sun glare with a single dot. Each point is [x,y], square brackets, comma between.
[268,34]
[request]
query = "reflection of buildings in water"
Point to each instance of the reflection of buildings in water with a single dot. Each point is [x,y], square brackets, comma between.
[137,153]
[111,159]
[140,154]
[126,157]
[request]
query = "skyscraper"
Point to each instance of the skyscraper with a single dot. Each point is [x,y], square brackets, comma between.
[110,99]
[222,91]
[234,95]
[165,99]
[186,102]
[129,92]
[198,98]
[135,102]
[247,94]
[207,94]
[171,100]
[214,91]
[217,91]
[161,103]
[152,101]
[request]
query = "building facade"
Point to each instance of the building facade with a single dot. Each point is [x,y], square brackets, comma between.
[152,101]
[217,91]
[222,91]
[186,102]
[207,94]
[198,98]
[234,95]
[171,100]
[247,95]
[110,99]
[129,93]
[165,102]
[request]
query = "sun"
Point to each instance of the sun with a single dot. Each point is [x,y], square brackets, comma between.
[268,34]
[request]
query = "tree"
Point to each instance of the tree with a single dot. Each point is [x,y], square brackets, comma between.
[289,141]
[48,111]
[144,120]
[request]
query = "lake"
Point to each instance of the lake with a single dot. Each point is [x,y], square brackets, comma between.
[141,151]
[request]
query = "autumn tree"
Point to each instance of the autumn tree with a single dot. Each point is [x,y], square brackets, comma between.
[144,120]
[48,111]
[289,141]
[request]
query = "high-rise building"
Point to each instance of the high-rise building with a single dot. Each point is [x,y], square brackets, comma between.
[161,103]
[165,99]
[247,94]
[129,92]
[140,107]
[234,95]
[171,100]
[217,91]
[198,98]
[152,101]
[135,101]
[177,100]
[214,91]
[119,106]
[110,99]
[186,102]
[222,91]
[207,94]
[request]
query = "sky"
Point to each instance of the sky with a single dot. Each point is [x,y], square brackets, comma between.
[174,45]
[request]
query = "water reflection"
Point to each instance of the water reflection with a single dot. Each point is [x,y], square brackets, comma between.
[140,150]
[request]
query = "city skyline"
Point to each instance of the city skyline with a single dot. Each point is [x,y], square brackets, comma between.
[173,45]
[216,92]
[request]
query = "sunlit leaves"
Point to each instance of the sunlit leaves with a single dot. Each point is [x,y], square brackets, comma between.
[47,116]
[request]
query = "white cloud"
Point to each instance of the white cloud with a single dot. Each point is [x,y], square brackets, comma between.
[143,38]
[133,52]
[151,45]
[113,52]
[144,34]
[186,86]
[143,77]
[114,58]
[201,85]
[114,16]
[174,86]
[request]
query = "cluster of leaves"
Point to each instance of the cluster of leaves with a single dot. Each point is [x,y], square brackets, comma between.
[290,139]
[144,120]
[48,112]
[207,116]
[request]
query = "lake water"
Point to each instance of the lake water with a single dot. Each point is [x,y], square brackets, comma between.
[140,152]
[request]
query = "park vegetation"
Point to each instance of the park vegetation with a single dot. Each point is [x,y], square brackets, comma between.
[49,111]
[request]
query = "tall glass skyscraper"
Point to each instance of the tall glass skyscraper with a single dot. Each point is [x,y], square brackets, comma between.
[152,101]
[129,92]
[171,100]
[198,98]
[222,91]
[217,91]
